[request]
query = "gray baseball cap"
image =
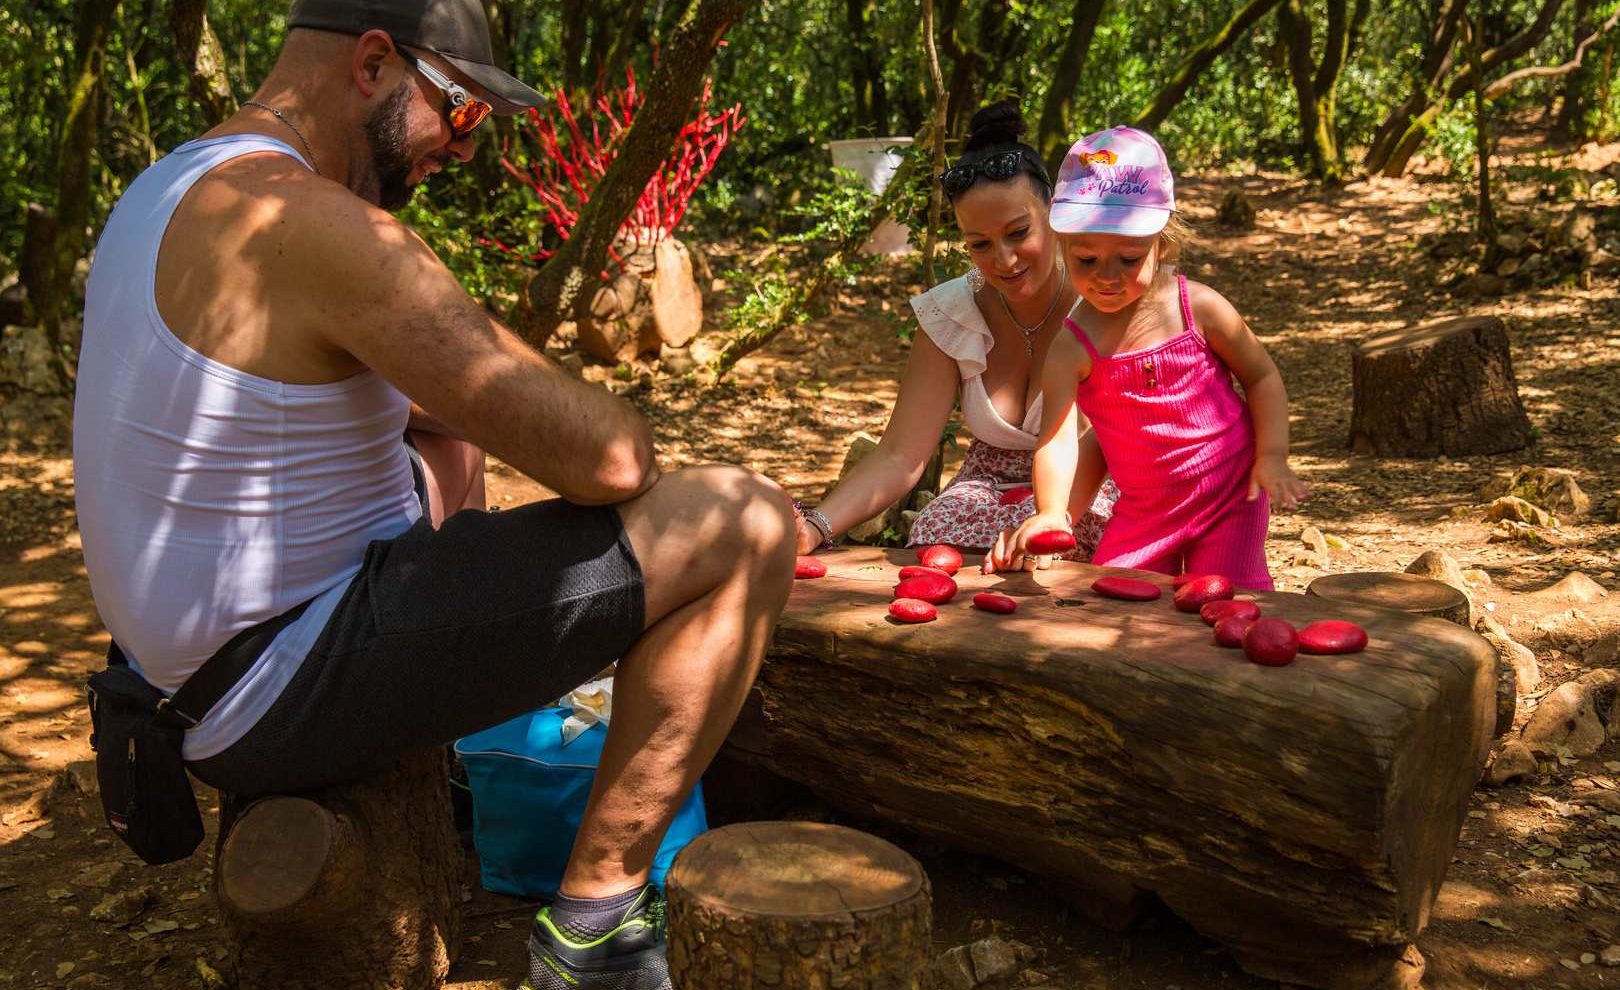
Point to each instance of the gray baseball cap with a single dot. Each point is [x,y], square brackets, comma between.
[456,29]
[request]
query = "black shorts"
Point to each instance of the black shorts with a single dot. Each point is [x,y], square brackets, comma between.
[443,633]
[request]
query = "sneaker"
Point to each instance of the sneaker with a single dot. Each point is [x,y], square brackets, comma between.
[630,957]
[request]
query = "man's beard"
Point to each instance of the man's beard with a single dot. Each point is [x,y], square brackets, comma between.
[391,160]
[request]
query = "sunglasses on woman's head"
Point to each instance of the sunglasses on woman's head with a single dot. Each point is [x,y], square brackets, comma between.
[463,110]
[956,179]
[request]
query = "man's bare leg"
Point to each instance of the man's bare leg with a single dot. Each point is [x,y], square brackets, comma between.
[455,474]
[716,551]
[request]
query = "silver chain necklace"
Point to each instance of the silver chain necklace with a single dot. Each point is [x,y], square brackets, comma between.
[1030,332]
[290,126]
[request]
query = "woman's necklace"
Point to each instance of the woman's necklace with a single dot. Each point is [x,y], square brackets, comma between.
[1030,332]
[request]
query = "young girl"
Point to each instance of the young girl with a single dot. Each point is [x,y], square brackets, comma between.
[1149,358]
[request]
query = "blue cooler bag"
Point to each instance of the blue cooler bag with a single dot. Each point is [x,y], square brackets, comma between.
[529,791]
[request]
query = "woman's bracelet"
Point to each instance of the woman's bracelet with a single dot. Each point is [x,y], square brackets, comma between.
[815,517]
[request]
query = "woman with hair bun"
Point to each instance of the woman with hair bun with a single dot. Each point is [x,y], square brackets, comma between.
[985,337]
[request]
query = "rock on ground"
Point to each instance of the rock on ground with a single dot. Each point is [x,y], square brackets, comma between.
[1513,761]
[1572,718]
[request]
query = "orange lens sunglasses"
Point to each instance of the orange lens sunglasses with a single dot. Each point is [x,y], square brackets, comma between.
[463,110]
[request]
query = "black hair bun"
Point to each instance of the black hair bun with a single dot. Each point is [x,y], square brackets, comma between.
[995,124]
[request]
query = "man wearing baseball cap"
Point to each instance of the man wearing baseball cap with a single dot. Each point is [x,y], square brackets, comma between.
[283,399]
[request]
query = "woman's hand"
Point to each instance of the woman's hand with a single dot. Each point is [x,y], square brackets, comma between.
[808,537]
[1272,475]
[1009,554]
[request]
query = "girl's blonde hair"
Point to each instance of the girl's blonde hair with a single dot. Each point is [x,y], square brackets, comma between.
[1175,233]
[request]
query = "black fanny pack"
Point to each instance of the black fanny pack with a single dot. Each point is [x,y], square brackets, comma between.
[137,733]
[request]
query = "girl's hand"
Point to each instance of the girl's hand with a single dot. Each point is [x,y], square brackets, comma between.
[1273,476]
[1008,553]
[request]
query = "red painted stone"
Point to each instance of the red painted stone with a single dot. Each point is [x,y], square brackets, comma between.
[1214,612]
[805,568]
[1271,642]
[942,556]
[928,587]
[1331,636]
[992,601]
[1126,589]
[912,610]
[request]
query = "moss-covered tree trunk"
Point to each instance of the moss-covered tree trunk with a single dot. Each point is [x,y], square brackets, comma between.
[1054,132]
[199,53]
[565,286]
[1199,59]
[1418,125]
[53,291]
[1316,84]
[1445,15]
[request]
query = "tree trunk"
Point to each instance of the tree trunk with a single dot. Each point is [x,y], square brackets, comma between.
[1052,134]
[1417,128]
[1482,150]
[52,296]
[936,196]
[1294,24]
[1437,61]
[797,906]
[871,100]
[198,51]
[1572,111]
[356,886]
[1199,59]
[565,287]
[1443,388]
[1304,816]
[576,27]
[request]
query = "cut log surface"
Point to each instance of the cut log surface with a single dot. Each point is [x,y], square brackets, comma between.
[1386,589]
[1442,388]
[1303,816]
[790,905]
[355,886]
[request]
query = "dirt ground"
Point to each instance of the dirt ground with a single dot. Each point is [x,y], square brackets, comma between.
[1530,899]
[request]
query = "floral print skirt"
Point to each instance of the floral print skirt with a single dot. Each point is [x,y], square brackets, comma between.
[975,507]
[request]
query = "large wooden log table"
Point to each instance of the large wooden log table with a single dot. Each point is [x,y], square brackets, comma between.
[1303,816]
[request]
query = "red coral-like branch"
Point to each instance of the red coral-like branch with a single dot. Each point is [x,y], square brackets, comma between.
[570,164]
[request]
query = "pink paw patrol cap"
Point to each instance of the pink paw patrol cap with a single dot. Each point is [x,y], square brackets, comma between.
[1114,182]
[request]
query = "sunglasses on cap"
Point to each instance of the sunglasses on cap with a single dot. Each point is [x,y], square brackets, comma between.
[1003,165]
[462,110]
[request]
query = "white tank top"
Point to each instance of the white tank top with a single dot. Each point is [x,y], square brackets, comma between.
[210,499]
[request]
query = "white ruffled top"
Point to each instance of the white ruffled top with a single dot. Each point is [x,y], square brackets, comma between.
[950,317]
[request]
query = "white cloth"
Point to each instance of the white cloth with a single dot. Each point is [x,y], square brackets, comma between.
[210,499]
[950,317]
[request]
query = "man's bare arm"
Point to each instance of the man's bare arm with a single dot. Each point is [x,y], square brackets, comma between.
[375,290]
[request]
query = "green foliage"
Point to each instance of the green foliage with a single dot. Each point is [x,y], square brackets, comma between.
[837,211]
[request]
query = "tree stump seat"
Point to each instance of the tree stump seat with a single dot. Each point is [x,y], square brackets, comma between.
[1440,388]
[796,906]
[1302,816]
[1388,589]
[355,886]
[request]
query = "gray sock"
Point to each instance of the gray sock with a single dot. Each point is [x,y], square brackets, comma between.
[582,919]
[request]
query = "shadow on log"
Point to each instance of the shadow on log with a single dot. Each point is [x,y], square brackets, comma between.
[355,886]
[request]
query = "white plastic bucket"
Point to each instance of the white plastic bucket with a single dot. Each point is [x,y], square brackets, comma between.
[871,159]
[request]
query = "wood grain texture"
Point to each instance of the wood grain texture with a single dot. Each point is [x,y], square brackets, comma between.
[1387,589]
[1440,388]
[1303,816]
[356,886]
[796,906]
